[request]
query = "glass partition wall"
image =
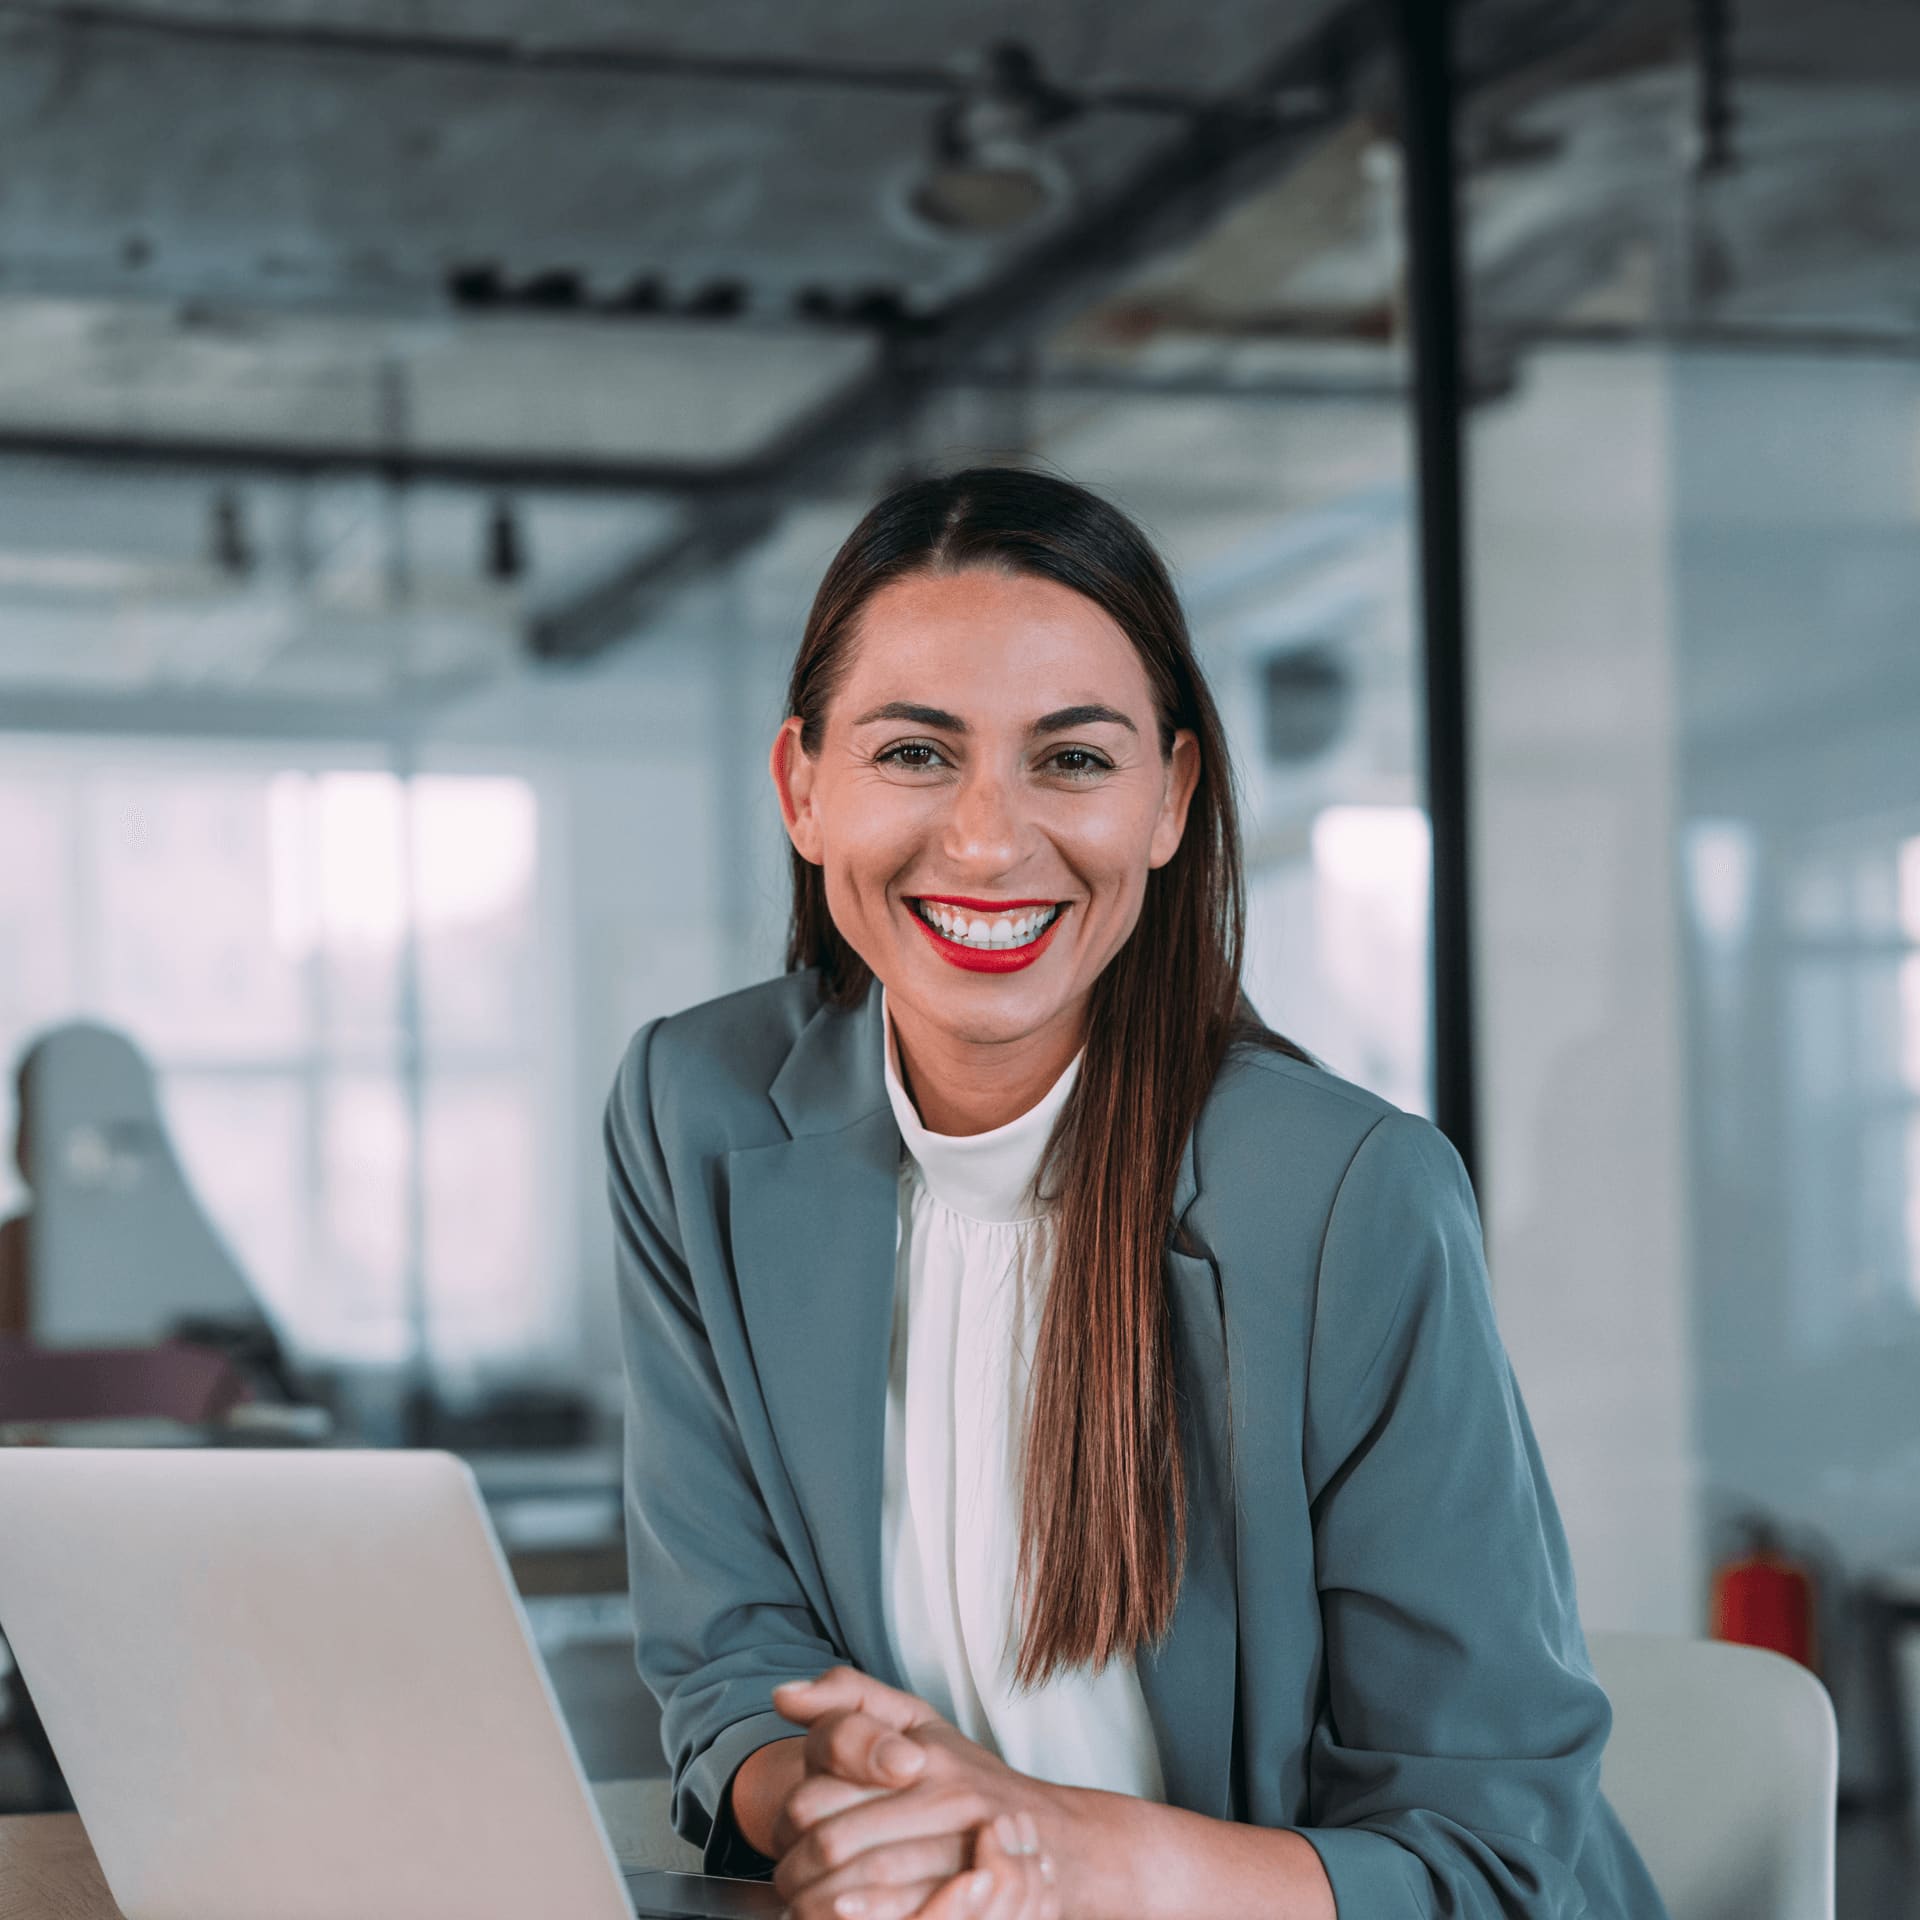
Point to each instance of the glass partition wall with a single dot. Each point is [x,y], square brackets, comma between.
[1696,281]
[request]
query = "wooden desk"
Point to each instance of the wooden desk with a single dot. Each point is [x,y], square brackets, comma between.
[48,1872]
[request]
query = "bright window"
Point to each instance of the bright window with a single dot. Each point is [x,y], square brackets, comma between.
[1851,908]
[373,1157]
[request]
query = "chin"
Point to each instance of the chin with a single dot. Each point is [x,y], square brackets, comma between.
[999,1012]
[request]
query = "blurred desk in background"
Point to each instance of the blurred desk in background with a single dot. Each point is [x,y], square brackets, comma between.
[558,1515]
[560,1521]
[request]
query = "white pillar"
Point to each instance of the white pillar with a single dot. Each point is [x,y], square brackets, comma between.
[1575,745]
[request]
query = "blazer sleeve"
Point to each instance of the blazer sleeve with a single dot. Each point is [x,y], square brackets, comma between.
[719,1616]
[1456,1764]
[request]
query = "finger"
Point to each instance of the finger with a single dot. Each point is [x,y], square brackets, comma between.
[1034,1899]
[963,1897]
[1043,1890]
[870,1902]
[818,1796]
[804,1700]
[922,1863]
[856,1746]
[1017,1885]
[888,1819]
[954,1899]
[992,1890]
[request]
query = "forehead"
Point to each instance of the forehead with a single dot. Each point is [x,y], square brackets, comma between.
[994,639]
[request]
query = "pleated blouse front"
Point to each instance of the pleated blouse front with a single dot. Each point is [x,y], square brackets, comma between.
[973,1250]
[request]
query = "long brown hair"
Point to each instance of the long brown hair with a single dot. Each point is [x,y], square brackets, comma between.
[1102,1442]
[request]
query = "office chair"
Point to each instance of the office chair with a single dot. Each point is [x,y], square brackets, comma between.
[120,1248]
[1723,1766]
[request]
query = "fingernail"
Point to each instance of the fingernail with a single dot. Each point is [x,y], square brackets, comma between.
[1009,1831]
[1029,1832]
[1046,1866]
[849,1903]
[903,1759]
[979,1887]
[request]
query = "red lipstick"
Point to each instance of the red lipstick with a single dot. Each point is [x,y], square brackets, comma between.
[981,906]
[984,959]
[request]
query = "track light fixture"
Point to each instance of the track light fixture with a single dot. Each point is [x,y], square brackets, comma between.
[987,172]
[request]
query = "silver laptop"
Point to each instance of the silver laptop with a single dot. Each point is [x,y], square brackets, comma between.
[302,1685]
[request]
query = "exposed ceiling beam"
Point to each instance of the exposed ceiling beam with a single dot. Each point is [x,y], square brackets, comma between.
[509,472]
[295,460]
[545,472]
[535,53]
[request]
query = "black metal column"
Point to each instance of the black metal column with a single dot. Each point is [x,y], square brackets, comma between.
[1423,30]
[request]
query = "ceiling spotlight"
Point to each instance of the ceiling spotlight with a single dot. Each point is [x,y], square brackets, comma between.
[228,547]
[506,556]
[987,173]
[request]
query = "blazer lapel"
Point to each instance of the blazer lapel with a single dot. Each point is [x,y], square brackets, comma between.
[814,1221]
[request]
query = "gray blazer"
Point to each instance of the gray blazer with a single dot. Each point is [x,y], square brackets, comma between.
[1377,1640]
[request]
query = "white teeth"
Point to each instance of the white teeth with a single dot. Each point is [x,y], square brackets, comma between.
[1006,931]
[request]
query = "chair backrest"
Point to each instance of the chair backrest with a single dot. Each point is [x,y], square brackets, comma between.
[119,1247]
[1723,1766]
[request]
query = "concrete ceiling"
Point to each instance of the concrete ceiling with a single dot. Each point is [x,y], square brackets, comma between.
[352,273]
[345,151]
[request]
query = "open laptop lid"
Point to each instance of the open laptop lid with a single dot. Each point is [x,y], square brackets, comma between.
[295,1683]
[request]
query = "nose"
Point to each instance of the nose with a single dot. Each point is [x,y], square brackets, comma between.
[983,828]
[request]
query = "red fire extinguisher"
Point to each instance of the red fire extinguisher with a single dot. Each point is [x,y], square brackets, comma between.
[1764,1595]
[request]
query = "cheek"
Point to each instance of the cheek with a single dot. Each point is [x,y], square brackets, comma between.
[870,831]
[1109,843]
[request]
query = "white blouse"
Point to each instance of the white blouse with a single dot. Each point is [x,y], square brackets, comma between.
[969,1282]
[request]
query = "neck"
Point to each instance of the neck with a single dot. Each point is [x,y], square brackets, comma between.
[962,1086]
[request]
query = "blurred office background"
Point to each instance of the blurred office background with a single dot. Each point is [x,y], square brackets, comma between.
[421,433]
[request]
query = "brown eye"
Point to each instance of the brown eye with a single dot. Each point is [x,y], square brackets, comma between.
[892,756]
[1088,762]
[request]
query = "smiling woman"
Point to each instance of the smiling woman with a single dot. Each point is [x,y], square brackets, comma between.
[946,1261]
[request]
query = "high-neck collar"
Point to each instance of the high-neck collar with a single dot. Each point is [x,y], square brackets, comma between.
[983,1175]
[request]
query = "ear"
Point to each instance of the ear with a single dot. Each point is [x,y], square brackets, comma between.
[1183,775]
[793,776]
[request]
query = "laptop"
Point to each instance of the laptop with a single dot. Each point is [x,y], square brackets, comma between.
[302,1684]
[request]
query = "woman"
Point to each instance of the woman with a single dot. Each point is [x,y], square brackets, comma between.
[1072,1465]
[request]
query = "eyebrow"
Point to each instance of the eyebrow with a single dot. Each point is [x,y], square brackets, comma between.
[1090,714]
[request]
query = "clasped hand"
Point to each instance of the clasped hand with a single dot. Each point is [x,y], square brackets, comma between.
[900,1813]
